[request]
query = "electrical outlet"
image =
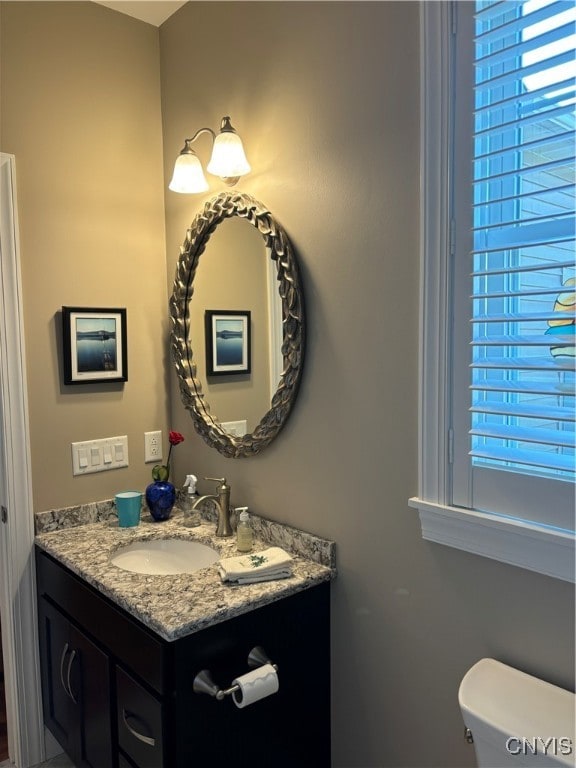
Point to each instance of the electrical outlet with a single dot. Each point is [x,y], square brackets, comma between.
[153,446]
[235,428]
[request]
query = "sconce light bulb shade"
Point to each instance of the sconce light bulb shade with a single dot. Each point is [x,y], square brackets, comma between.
[228,158]
[188,176]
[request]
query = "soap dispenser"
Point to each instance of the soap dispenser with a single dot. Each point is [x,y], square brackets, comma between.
[191,516]
[244,534]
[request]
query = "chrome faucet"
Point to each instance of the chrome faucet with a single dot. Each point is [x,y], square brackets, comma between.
[222,501]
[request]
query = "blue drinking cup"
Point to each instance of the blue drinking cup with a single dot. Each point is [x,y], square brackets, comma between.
[128,506]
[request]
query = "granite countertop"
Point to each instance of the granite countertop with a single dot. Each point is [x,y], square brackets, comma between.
[84,538]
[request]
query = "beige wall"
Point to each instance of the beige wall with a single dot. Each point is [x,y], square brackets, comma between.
[325,96]
[231,275]
[80,111]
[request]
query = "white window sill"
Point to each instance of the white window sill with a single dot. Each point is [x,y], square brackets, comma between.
[528,545]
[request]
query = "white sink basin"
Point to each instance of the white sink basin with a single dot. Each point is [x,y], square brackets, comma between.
[164,556]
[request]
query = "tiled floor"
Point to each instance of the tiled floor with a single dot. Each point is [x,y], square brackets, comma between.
[61,761]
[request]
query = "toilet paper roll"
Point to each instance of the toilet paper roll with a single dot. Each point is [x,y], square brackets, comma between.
[255,685]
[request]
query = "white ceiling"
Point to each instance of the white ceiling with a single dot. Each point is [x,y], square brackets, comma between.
[152,11]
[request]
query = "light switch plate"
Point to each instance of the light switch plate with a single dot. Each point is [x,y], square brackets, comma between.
[99,455]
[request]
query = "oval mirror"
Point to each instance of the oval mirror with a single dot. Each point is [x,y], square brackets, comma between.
[238,348]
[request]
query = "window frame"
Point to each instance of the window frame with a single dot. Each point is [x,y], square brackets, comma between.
[534,546]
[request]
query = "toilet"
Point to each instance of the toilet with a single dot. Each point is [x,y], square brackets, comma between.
[516,719]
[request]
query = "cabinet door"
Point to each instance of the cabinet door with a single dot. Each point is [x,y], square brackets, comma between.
[90,687]
[56,661]
[75,690]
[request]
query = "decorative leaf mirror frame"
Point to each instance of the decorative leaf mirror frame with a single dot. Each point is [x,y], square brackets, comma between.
[215,211]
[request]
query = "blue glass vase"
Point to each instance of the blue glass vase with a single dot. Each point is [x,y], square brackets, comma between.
[160,498]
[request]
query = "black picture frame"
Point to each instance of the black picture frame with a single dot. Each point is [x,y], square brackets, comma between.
[94,344]
[228,342]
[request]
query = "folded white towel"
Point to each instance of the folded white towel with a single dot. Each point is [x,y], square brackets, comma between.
[267,565]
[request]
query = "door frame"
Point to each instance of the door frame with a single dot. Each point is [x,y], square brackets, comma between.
[17,575]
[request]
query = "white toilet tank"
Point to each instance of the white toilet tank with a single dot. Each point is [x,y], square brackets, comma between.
[516,719]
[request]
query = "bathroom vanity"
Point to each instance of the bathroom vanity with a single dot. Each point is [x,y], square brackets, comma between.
[120,651]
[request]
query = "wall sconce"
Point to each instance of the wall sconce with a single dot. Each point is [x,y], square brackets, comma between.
[228,161]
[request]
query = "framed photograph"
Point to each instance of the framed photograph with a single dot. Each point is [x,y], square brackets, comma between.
[94,345]
[227,342]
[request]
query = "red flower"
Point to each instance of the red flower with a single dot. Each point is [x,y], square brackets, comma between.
[175,438]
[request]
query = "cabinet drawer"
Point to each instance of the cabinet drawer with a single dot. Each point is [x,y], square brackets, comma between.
[139,722]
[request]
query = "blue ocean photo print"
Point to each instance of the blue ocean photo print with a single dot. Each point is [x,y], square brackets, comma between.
[227,341]
[94,345]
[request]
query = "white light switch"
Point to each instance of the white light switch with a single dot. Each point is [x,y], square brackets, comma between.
[99,455]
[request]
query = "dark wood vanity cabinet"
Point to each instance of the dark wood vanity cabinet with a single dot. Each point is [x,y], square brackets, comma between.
[116,694]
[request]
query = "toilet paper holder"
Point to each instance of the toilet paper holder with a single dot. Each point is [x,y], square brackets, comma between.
[204,683]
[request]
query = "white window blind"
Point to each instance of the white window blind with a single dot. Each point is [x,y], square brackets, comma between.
[496,414]
[523,340]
